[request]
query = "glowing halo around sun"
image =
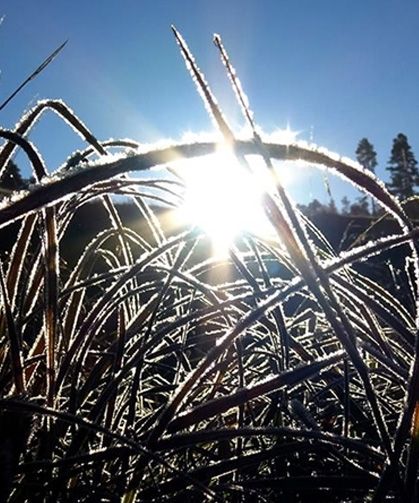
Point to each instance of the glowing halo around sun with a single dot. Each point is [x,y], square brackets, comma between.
[222,198]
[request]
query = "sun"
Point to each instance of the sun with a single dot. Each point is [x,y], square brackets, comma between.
[222,198]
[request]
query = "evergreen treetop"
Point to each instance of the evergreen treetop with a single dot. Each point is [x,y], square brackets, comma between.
[403,168]
[366,155]
[11,179]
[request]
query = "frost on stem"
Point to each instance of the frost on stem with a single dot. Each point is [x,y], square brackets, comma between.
[203,88]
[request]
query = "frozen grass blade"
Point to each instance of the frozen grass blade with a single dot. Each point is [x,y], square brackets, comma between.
[235,82]
[18,255]
[204,89]
[14,339]
[51,299]
[146,333]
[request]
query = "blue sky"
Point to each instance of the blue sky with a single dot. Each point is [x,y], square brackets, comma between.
[335,70]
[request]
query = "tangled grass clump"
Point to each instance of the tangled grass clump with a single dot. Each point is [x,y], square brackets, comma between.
[141,373]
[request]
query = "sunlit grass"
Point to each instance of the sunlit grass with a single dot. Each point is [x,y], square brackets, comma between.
[142,373]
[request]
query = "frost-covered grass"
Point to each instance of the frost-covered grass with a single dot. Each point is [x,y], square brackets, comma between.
[152,370]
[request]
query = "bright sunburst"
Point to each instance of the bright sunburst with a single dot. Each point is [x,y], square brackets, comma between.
[222,198]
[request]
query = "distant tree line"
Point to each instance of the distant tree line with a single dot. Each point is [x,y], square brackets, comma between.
[403,183]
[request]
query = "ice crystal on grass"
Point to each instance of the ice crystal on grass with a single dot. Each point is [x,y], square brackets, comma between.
[152,334]
[15,197]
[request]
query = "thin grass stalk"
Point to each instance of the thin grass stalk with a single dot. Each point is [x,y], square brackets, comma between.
[278,315]
[51,301]
[17,256]
[79,156]
[410,418]
[151,219]
[16,261]
[347,400]
[15,139]
[34,74]
[15,342]
[411,474]
[117,364]
[204,89]
[126,251]
[241,266]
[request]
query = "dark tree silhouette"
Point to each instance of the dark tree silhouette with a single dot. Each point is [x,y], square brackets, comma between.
[345,206]
[360,206]
[367,157]
[403,168]
[11,179]
[314,207]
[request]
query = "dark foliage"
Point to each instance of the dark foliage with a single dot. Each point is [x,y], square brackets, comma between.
[403,168]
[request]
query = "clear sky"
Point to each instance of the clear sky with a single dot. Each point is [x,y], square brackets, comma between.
[334,70]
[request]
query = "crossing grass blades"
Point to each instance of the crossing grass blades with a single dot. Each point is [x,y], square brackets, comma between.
[142,373]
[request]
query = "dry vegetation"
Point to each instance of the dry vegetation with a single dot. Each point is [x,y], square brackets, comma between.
[146,372]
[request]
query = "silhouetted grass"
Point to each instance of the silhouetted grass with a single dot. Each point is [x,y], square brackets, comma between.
[144,373]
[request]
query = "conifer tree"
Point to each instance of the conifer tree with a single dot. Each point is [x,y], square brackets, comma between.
[366,155]
[403,168]
[11,179]
[345,205]
[360,206]
[367,158]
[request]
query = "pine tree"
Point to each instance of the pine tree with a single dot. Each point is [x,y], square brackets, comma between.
[367,158]
[403,168]
[366,155]
[345,206]
[360,206]
[11,179]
